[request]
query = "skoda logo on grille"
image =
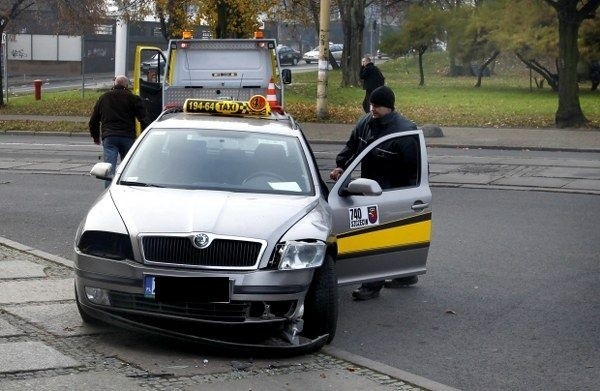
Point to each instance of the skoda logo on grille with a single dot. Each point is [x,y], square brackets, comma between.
[201,240]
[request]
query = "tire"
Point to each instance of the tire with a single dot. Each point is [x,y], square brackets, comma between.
[294,61]
[321,303]
[307,61]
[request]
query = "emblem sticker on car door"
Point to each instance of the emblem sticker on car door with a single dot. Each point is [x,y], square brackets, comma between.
[363,216]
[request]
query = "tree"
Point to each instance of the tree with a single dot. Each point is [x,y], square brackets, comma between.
[233,18]
[74,16]
[420,31]
[226,18]
[352,15]
[571,14]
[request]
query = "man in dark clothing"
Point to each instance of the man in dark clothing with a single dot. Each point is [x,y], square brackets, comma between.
[113,120]
[382,163]
[371,78]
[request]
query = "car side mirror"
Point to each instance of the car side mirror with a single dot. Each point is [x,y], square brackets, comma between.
[286,76]
[363,186]
[102,171]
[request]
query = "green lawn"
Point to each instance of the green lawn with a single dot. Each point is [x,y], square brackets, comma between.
[504,100]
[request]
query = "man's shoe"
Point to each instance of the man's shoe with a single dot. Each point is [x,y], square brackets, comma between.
[365,294]
[401,282]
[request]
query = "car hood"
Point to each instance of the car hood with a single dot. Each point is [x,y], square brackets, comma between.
[151,210]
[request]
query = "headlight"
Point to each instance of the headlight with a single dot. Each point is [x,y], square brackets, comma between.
[301,255]
[106,245]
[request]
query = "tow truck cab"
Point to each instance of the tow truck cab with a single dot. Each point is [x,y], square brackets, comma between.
[228,69]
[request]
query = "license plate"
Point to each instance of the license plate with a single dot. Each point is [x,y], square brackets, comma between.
[189,289]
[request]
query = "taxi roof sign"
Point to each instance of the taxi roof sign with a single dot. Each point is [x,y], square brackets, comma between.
[256,105]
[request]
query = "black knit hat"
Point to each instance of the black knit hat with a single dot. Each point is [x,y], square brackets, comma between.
[383,96]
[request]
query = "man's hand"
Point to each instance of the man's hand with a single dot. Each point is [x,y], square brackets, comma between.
[336,173]
[97,141]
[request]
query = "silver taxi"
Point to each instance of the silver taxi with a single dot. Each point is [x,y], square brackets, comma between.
[218,227]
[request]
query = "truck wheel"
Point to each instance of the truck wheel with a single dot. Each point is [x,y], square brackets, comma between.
[321,303]
[294,61]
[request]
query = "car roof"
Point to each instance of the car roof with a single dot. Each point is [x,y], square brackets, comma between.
[275,124]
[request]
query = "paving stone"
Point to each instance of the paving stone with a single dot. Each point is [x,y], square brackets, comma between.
[30,356]
[166,356]
[532,182]
[14,292]
[20,269]
[435,168]
[8,330]
[8,165]
[48,166]
[464,178]
[61,319]
[584,184]
[570,172]
[331,379]
[81,381]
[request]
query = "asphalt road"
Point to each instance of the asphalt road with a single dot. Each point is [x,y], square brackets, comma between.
[510,300]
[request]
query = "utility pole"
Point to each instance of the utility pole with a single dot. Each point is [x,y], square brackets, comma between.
[323,68]
[121,46]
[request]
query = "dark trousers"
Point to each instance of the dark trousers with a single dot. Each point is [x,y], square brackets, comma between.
[113,147]
[366,101]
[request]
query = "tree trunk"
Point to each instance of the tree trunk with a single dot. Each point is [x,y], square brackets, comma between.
[422,50]
[2,81]
[221,30]
[550,77]
[569,113]
[352,13]
[483,66]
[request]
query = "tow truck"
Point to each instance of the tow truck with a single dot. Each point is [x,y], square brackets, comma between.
[220,69]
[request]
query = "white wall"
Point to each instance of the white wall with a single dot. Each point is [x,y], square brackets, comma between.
[25,47]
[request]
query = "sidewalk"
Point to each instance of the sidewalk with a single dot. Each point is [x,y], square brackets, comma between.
[548,139]
[555,173]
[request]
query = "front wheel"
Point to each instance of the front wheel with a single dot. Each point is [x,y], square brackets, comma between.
[321,303]
[294,61]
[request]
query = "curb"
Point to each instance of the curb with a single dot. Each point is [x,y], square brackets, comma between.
[338,142]
[392,372]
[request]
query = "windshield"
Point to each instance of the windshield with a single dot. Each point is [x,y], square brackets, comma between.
[219,160]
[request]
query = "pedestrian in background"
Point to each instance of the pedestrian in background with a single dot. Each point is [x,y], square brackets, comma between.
[380,121]
[371,78]
[113,121]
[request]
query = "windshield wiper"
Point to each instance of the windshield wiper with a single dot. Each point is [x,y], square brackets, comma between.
[141,184]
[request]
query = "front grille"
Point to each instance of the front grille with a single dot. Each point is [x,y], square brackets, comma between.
[222,312]
[222,253]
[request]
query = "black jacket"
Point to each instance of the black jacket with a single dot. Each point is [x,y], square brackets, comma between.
[392,164]
[115,113]
[371,77]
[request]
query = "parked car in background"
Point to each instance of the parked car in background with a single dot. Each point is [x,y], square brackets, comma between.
[156,63]
[287,55]
[336,50]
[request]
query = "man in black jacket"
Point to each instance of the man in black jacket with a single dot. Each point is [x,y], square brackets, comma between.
[113,120]
[371,78]
[392,165]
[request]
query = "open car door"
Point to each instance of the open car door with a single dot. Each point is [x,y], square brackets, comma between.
[147,83]
[383,227]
